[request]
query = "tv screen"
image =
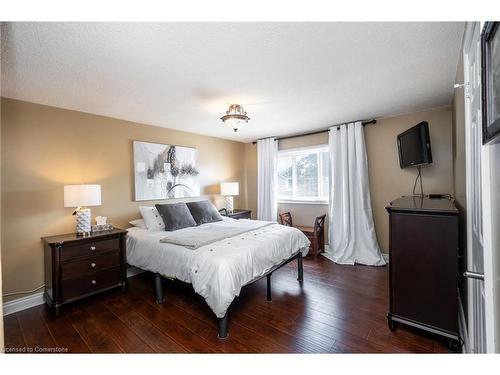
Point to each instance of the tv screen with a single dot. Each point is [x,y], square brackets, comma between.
[414,146]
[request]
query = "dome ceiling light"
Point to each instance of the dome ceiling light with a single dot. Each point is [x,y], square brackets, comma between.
[235,117]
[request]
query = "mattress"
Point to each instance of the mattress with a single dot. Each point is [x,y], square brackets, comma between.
[219,270]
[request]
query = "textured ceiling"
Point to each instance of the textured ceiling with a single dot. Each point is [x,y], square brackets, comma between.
[290,77]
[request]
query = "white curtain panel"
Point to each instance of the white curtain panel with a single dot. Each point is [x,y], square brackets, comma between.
[267,180]
[351,230]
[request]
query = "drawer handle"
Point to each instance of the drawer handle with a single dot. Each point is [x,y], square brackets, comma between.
[94,282]
[92,265]
[92,248]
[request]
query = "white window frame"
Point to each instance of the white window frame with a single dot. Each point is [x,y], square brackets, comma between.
[294,152]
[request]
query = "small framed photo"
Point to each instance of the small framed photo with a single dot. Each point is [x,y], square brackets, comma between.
[490,72]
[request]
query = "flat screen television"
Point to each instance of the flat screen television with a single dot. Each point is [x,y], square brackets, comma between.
[414,146]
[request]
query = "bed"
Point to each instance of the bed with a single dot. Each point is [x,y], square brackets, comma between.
[218,270]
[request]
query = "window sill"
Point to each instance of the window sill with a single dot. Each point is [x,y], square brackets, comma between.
[293,201]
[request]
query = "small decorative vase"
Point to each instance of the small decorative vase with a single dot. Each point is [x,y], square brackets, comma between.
[83,223]
[229,204]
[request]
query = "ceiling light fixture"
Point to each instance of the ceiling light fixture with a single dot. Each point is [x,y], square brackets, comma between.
[235,117]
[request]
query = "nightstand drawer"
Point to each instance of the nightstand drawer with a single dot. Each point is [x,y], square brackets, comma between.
[89,249]
[91,265]
[90,283]
[79,266]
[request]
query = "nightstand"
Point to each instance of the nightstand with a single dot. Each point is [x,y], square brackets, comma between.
[237,213]
[77,267]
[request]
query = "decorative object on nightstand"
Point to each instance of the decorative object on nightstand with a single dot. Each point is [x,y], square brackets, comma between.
[77,267]
[237,213]
[101,224]
[229,189]
[101,220]
[80,196]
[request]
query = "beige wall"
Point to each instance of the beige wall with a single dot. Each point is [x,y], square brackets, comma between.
[44,148]
[387,180]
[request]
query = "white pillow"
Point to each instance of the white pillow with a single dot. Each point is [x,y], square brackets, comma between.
[152,218]
[139,223]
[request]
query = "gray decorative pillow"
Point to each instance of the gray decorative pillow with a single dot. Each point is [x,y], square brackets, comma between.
[204,212]
[175,216]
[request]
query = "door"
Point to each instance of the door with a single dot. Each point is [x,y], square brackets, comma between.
[480,302]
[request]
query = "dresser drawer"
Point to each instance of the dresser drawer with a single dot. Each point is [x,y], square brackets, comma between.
[90,265]
[89,249]
[76,287]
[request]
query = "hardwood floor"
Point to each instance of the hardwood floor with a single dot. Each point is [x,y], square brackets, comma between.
[338,309]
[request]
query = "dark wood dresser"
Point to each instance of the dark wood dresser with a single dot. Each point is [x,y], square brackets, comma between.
[77,267]
[237,213]
[423,265]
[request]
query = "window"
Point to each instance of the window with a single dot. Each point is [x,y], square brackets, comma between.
[303,174]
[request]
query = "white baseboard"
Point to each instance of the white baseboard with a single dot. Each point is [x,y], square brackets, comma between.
[36,299]
[23,303]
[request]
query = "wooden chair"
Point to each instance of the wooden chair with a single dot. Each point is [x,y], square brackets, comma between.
[316,233]
[286,219]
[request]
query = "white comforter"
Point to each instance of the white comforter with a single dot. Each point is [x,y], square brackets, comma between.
[219,270]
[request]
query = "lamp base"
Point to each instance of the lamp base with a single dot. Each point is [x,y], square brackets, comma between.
[229,204]
[83,221]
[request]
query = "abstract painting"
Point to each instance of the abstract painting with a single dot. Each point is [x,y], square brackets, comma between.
[164,171]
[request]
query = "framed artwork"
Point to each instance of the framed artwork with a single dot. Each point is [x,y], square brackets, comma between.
[490,73]
[164,171]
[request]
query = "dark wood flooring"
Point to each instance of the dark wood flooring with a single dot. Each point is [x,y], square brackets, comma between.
[338,309]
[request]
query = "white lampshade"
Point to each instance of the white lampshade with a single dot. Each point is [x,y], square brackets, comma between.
[82,195]
[229,188]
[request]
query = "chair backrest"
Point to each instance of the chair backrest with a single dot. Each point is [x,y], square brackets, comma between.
[286,219]
[319,224]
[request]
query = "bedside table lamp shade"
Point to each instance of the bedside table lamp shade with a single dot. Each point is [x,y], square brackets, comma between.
[229,189]
[80,196]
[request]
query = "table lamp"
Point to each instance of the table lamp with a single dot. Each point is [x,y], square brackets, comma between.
[80,196]
[229,189]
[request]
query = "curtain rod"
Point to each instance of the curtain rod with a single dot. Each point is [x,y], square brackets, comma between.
[364,123]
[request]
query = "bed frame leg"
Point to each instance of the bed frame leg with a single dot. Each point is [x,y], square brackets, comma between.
[159,288]
[300,268]
[223,327]
[269,296]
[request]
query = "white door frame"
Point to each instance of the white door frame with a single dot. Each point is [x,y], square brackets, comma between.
[486,214]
